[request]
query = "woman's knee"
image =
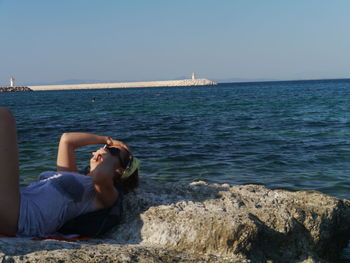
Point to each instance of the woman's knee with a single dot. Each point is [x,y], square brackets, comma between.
[6,115]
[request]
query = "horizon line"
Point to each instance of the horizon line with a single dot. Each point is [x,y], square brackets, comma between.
[219,81]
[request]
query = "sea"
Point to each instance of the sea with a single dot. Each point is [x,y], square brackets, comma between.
[291,134]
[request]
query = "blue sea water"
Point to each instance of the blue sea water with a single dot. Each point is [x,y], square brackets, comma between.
[292,135]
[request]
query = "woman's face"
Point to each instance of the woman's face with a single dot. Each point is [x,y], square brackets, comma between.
[103,157]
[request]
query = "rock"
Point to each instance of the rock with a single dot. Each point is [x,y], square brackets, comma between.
[14,89]
[199,222]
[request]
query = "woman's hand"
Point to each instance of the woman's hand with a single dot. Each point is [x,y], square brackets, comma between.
[118,144]
[71,141]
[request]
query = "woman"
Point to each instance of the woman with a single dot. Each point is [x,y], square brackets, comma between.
[41,208]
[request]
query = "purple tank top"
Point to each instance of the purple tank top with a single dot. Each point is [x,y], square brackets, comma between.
[53,200]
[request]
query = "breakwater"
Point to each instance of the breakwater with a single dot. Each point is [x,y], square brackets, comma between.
[14,89]
[145,84]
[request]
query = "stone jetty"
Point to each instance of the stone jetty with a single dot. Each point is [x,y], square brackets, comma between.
[14,89]
[146,84]
[200,222]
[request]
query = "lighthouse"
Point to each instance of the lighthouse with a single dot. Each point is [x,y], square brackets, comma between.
[12,82]
[193,75]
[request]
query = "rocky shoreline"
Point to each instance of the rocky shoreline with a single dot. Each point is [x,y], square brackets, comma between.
[14,89]
[200,222]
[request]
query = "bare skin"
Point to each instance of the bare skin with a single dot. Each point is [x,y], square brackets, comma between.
[9,174]
[103,166]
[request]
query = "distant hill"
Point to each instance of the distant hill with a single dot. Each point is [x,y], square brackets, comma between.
[68,81]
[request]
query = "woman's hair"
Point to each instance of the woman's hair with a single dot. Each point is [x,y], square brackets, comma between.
[130,183]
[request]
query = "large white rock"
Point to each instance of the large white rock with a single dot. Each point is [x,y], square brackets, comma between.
[198,222]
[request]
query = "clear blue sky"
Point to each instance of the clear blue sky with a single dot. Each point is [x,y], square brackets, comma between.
[132,40]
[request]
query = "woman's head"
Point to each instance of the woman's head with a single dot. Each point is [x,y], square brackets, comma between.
[120,164]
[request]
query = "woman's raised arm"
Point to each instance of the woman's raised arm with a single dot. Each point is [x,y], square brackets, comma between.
[69,142]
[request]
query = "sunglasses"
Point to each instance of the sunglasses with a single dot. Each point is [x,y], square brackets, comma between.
[112,150]
[116,153]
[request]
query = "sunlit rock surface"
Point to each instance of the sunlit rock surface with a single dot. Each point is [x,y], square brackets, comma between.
[198,222]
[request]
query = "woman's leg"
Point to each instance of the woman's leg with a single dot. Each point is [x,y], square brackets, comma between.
[9,174]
